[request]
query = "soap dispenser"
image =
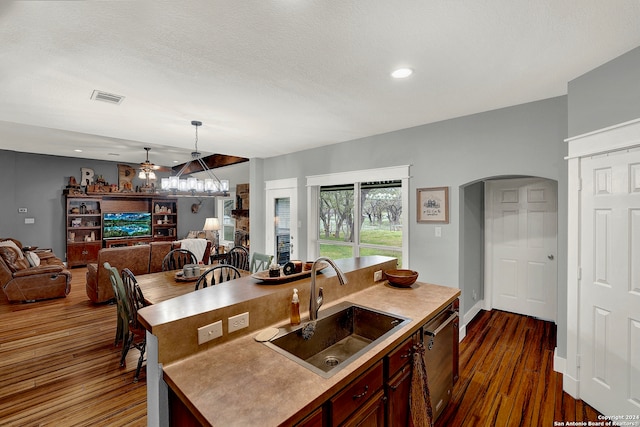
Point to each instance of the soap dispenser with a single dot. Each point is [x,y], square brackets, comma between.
[295,308]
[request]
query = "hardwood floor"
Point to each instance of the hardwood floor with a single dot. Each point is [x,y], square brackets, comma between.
[59,367]
[507,377]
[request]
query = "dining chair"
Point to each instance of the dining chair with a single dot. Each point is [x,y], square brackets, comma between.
[218,274]
[137,332]
[178,258]
[122,326]
[238,256]
[260,262]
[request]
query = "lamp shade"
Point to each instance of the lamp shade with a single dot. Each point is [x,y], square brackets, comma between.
[211,224]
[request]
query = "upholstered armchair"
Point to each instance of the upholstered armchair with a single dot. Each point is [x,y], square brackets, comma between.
[44,277]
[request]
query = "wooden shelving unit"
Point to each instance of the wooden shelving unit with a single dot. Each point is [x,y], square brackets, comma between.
[84,217]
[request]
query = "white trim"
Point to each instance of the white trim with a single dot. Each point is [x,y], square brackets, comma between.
[488,247]
[469,316]
[365,175]
[277,188]
[278,184]
[621,136]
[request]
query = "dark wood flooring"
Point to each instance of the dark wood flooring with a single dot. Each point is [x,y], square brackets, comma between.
[507,376]
[59,367]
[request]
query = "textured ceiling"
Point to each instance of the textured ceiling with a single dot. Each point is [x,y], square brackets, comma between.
[269,77]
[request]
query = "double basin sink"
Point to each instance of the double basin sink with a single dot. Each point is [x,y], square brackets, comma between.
[342,334]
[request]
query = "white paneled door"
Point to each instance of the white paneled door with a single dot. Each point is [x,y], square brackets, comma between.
[610,283]
[523,241]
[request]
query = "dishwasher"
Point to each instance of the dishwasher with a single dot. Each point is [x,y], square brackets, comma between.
[440,343]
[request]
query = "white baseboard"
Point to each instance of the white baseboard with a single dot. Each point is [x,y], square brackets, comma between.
[468,317]
[559,363]
[569,384]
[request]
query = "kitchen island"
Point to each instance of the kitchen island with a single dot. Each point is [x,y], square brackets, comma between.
[234,380]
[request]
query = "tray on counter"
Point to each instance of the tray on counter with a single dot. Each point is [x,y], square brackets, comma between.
[268,280]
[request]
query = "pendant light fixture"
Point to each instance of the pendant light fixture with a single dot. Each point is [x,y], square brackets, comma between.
[191,186]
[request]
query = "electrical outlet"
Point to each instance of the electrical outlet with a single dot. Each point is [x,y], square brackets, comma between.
[377,276]
[209,332]
[238,321]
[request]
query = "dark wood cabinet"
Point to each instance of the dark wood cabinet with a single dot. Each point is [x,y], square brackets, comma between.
[84,222]
[315,419]
[356,394]
[398,383]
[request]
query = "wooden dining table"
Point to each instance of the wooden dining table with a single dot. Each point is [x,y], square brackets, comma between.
[164,285]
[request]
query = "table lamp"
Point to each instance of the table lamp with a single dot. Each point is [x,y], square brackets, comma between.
[212,224]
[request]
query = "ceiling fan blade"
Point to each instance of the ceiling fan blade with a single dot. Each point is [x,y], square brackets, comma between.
[212,161]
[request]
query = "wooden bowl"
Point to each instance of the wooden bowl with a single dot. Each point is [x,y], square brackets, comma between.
[401,278]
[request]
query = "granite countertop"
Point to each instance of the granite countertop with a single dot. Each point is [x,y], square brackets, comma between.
[243,382]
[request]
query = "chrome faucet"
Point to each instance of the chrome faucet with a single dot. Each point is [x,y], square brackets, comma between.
[315,303]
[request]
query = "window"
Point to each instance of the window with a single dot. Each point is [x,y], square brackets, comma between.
[227,221]
[360,219]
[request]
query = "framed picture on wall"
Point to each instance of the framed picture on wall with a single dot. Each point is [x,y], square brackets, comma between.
[433,205]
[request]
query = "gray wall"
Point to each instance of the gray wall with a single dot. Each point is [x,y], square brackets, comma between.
[472,244]
[605,96]
[520,140]
[36,182]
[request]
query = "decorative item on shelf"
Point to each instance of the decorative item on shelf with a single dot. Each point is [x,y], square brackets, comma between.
[125,178]
[211,186]
[87,176]
[76,222]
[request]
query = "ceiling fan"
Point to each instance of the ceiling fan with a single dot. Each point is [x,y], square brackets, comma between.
[147,170]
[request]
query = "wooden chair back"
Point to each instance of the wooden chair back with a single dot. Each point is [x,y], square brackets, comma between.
[218,274]
[238,256]
[178,258]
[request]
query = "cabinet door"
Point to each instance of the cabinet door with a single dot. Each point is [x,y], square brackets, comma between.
[398,398]
[91,252]
[370,414]
[356,395]
[313,420]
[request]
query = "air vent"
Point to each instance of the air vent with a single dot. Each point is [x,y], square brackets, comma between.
[106,97]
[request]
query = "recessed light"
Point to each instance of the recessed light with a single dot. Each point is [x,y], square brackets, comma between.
[402,73]
[77,150]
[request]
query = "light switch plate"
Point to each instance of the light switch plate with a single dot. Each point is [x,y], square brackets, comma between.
[209,332]
[377,276]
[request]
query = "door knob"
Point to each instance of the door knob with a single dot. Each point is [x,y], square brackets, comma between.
[550,256]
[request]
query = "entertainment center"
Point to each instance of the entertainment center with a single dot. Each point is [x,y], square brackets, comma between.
[94,221]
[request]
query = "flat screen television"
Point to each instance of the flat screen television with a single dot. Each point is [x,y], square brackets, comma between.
[126,224]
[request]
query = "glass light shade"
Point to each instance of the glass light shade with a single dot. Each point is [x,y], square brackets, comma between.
[191,183]
[224,184]
[174,182]
[152,175]
[164,184]
[200,185]
[209,185]
[211,224]
[183,185]
[141,175]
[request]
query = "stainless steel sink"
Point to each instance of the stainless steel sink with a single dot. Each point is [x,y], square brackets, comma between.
[342,334]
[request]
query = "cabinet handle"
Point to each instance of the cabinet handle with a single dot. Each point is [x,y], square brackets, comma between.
[363,394]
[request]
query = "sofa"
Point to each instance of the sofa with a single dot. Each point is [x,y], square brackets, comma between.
[28,276]
[140,259]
